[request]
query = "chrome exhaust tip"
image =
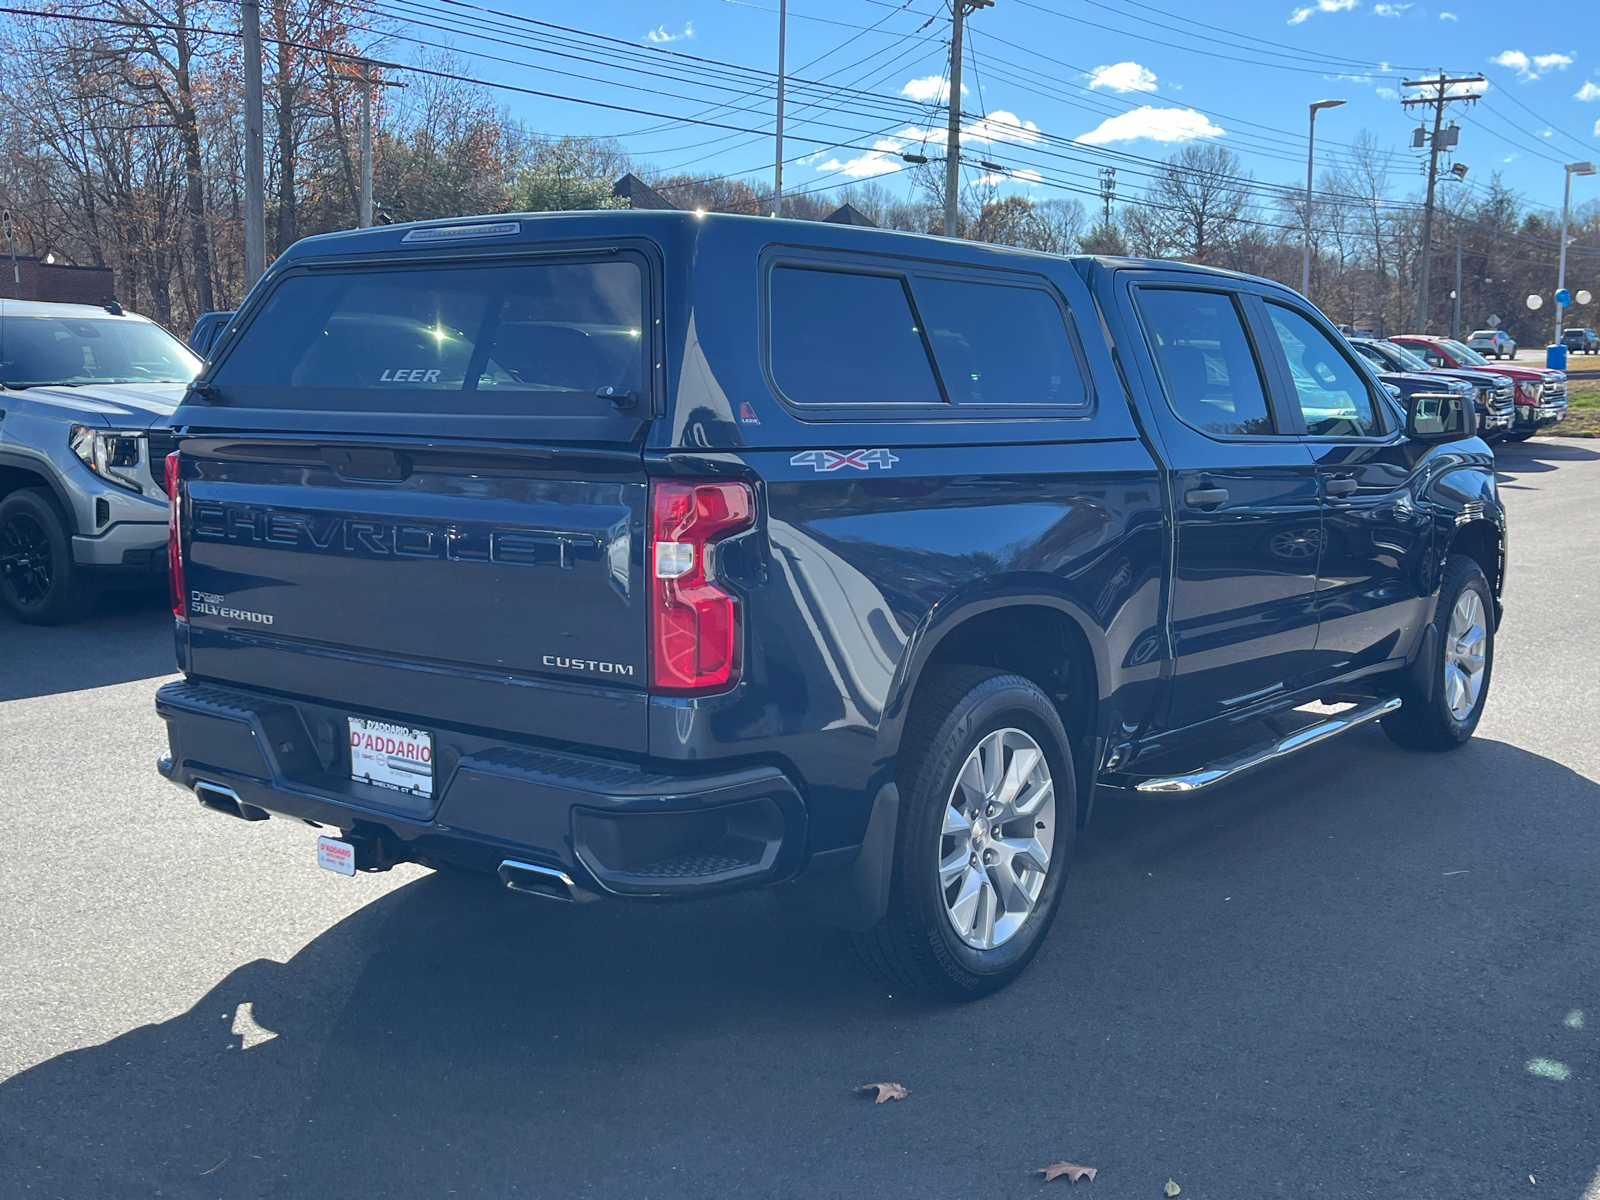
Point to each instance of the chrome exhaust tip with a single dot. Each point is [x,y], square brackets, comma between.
[539,881]
[225,800]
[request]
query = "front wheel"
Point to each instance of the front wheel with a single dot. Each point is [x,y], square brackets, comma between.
[987,822]
[1459,664]
[39,582]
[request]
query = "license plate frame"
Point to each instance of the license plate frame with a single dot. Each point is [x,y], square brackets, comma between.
[391,756]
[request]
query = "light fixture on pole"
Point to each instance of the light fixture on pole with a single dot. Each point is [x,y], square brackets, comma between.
[1311,150]
[1577,168]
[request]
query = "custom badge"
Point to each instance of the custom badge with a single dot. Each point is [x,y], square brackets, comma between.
[747,415]
[834,460]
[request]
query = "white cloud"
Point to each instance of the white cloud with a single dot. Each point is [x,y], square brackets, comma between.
[1531,67]
[1389,10]
[1328,6]
[874,162]
[1387,93]
[1002,126]
[1589,91]
[928,88]
[1509,158]
[1597,129]
[1445,16]
[660,36]
[1156,124]
[1123,77]
[1028,176]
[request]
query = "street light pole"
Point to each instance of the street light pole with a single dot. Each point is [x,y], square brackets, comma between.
[1577,168]
[255,209]
[1311,152]
[777,171]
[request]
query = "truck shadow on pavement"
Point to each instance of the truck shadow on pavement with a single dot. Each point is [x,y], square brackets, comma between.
[1537,456]
[1348,960]
[128,637]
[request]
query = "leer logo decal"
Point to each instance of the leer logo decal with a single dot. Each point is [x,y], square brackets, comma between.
[833,460]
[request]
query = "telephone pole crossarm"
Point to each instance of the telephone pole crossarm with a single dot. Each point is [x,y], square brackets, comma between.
[1440,96]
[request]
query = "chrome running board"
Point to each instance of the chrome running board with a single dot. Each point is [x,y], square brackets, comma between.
[1236,765]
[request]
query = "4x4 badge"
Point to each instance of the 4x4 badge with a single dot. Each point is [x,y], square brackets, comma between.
[832,460]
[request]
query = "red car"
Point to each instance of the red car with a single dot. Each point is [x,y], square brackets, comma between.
[1541,394]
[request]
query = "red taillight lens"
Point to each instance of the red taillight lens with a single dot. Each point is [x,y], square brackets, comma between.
[180,594]
[694,624]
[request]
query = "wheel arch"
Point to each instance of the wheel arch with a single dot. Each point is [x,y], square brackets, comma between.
[1008,633]
[18,473]
[1481,541]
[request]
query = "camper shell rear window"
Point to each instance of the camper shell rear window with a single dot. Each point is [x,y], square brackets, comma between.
[560,336]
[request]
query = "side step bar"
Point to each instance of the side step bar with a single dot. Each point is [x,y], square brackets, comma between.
[1238,764]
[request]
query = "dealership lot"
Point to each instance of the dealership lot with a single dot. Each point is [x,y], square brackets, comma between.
[1366,973]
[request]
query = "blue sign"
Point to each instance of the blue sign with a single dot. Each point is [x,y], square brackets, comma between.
[1563,297]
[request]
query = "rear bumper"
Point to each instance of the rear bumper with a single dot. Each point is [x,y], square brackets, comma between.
[611,827]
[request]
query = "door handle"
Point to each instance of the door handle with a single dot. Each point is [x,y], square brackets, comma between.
[1343,485]
[1205,497]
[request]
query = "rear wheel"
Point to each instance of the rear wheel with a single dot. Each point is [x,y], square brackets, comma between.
[39,583]
[987,823]
[1460,665]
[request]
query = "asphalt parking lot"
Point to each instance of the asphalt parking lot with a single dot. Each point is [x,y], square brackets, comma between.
[1369,973]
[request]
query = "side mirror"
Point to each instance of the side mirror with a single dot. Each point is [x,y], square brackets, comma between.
[1435,417]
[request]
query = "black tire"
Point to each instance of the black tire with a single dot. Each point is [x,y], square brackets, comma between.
[39,582]
[1426,721]
[917,948]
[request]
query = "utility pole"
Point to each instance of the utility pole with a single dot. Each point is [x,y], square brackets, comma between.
[1455,314]
[255,188]
[952,142]
[1108,191]
[363,74]
[777,176]
[1440,97]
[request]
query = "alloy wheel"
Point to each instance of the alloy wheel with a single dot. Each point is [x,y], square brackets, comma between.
[997,838]
[25,560]
[1465,655]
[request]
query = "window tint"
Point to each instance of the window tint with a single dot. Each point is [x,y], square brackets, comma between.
[1333,395]
[1211,376]
[845,338]
[530,332]
[997,344]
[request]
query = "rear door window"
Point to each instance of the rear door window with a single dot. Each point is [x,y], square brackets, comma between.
[1208,367]
[524,338]
[1000,344]
[846,337]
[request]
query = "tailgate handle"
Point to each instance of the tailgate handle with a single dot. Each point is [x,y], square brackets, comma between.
[360,462]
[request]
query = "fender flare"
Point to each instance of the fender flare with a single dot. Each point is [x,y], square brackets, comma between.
[43,468]
[951,612]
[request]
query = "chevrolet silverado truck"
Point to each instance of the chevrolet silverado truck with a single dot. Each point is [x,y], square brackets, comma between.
[645,555]
[84,394]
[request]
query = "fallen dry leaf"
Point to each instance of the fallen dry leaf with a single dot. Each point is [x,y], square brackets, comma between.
[1071,1170]
[1172,1189]
[886,1091]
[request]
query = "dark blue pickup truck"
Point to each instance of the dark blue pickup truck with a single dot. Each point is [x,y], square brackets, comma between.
[652,554]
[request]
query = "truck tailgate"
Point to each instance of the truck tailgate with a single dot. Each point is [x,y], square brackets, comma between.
[495,587]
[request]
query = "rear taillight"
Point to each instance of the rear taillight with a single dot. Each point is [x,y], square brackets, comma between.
[180,595]
[694,624]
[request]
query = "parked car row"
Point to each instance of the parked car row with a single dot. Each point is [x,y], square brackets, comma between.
[1540,394]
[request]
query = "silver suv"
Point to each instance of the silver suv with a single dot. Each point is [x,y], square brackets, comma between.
[1493,341]
[83,395]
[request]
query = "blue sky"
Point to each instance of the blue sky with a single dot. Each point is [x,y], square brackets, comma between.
[1057,88]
